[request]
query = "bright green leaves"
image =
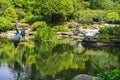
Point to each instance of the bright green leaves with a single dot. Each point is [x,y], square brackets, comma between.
[44,34]
[10,14]
[4,24]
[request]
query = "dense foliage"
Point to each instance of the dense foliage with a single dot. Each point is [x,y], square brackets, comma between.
[106,74]
[44,34]
[4,24]
[110,32]
[38,24]
[110,75]
[54,11]
[60,28]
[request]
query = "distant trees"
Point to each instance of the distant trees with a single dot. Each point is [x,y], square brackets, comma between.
[101,4]
[53,11]
[56,10]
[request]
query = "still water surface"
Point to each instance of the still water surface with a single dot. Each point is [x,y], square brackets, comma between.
[53,60]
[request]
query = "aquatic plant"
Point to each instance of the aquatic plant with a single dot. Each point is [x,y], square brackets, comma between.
[107,75]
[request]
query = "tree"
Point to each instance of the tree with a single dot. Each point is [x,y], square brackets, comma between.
[4,24]
[101,4]
[81,4]
[54,10]
[3,5]
[10,14]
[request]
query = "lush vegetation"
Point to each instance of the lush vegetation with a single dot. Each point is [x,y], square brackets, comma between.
[4,24]
[44,34]
[108,75]
[38,24]
[60,28]
[42,16]
[52,11]
[110,32]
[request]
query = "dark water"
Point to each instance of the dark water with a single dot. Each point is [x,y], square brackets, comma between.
[53,60]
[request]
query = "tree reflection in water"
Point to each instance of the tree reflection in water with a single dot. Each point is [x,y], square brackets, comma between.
[52,60]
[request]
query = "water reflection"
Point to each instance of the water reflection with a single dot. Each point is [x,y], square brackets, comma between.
[53,59]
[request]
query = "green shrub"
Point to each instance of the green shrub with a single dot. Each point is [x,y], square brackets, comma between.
[38,24]
[100,16]
[106,30]
[4,24]
[35,18]
[112,15]
[26,17]
[116,30]
[45,33]
[110,75]
[85,16]
[106,37]
[60,28]
[89,16]
[107,75]
[10,14]
[110,30]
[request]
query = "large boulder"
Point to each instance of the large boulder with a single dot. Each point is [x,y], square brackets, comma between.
[85,77]
[82,77]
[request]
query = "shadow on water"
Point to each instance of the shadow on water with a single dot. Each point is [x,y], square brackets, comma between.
[53,60]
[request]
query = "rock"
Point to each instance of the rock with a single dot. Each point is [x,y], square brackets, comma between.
[82,77]
[85,77]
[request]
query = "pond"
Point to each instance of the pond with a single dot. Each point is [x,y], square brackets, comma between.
[53,60]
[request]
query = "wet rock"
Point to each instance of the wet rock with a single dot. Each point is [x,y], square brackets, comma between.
[85,77]
[82,77]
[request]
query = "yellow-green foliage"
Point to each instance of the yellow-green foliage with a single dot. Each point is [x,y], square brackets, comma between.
[38,24]
[113,15]
[4,24]
[60,28]
[10,14]
[27,17]
[87,16]
[44,34]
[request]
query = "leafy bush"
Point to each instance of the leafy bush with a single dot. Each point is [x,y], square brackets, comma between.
[110,75]
[107,75]
[112,15]
[45,33]
[106,37]
[26,17]
[60,28]
[10,14]
[35,18]
[110,30]
[106,30]
[89,16]
[38,24]
[4,24]
[116,30]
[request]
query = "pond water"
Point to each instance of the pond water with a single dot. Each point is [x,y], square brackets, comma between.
[53,60]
